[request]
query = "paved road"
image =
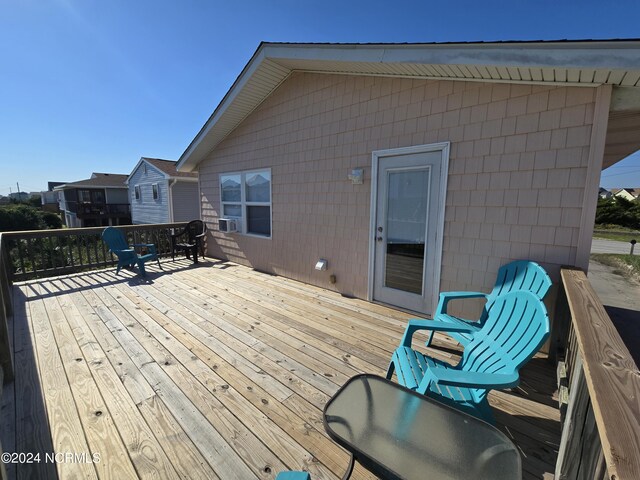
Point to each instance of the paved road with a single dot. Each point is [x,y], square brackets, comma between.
[621,300]
[612,246]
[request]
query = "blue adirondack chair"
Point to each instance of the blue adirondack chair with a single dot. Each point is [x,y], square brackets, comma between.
[127,256]
[515,328]
[518,275]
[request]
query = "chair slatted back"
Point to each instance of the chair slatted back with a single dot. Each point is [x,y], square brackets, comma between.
[518,275]
[195,228]
[516,327]
[116,242]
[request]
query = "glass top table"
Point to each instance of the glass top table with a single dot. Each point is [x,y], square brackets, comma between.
[398,434]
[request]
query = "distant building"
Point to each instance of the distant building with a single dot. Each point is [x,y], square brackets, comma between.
[626,193]
[19,196]
[160,194]
[49,198]
[101,200]
[604,193]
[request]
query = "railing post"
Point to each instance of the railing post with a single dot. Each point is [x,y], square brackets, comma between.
[561,323]
[6,310]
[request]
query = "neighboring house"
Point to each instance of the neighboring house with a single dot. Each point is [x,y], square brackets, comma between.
[49,199]
[415,168]
[604,193]
[161,194]
[630,194]
[19,196]
[4,200]
[97,201]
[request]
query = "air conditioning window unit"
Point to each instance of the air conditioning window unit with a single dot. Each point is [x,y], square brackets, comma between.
[227,225]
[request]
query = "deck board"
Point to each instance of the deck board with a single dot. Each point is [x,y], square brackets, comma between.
[215,371]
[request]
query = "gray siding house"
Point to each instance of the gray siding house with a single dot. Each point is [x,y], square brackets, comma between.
[160,194]
[101,200]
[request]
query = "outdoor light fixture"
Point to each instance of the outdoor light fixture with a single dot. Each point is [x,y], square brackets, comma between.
[356,176]
[321,264]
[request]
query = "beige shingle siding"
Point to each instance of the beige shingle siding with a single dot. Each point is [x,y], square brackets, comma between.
[516,176]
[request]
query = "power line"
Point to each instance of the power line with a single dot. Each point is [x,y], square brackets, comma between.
[618,174]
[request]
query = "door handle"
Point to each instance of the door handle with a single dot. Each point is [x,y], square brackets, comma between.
[379,239]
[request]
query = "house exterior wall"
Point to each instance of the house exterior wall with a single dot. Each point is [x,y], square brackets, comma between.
[186,202]
[624,194]
[516,183]
[147,209]
[116,195]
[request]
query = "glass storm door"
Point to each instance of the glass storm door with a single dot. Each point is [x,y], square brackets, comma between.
[407,252]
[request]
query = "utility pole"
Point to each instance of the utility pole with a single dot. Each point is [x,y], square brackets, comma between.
[19,197]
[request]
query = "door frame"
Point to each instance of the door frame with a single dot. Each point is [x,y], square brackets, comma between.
[442,147]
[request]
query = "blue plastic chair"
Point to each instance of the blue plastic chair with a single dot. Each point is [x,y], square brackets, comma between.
[518,275]
[293,475]
[515,328]
[127,256]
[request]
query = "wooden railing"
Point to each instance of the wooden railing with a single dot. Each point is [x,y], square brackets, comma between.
[6,310]
[599,389]
[112,209]
[46,253]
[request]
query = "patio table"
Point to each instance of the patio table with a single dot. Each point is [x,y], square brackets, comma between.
[397,433]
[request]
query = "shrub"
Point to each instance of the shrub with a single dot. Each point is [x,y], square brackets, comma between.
[618,211]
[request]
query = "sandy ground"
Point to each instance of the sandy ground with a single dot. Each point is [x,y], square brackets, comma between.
[621,298]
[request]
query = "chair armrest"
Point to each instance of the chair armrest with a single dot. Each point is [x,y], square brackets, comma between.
[446,297]
[150,246]
[461,378]
[178,233]
[416,324]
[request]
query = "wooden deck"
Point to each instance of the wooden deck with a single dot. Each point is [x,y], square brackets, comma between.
[214,371]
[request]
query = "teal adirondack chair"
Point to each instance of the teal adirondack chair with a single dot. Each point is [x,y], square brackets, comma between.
[516,327]
[127,256]
[518,275]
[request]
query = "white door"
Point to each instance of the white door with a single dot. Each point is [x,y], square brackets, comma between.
[407,224]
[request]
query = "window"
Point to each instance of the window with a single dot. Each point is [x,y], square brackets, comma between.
[91,196]
[247,196]
[154,186]
[136,192]
[84,196]
[97,196]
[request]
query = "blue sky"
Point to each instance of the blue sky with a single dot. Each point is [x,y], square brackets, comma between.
[88,85]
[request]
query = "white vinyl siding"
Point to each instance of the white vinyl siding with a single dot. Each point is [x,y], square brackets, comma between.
[147,209]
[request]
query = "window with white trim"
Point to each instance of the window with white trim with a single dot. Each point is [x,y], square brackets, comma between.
[154,187]
[246,196]
[136,192]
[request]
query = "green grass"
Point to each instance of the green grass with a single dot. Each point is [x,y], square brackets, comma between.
[627,265]
[619,236]
[615,232]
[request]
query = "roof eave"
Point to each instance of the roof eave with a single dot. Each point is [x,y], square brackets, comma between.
[283,59]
